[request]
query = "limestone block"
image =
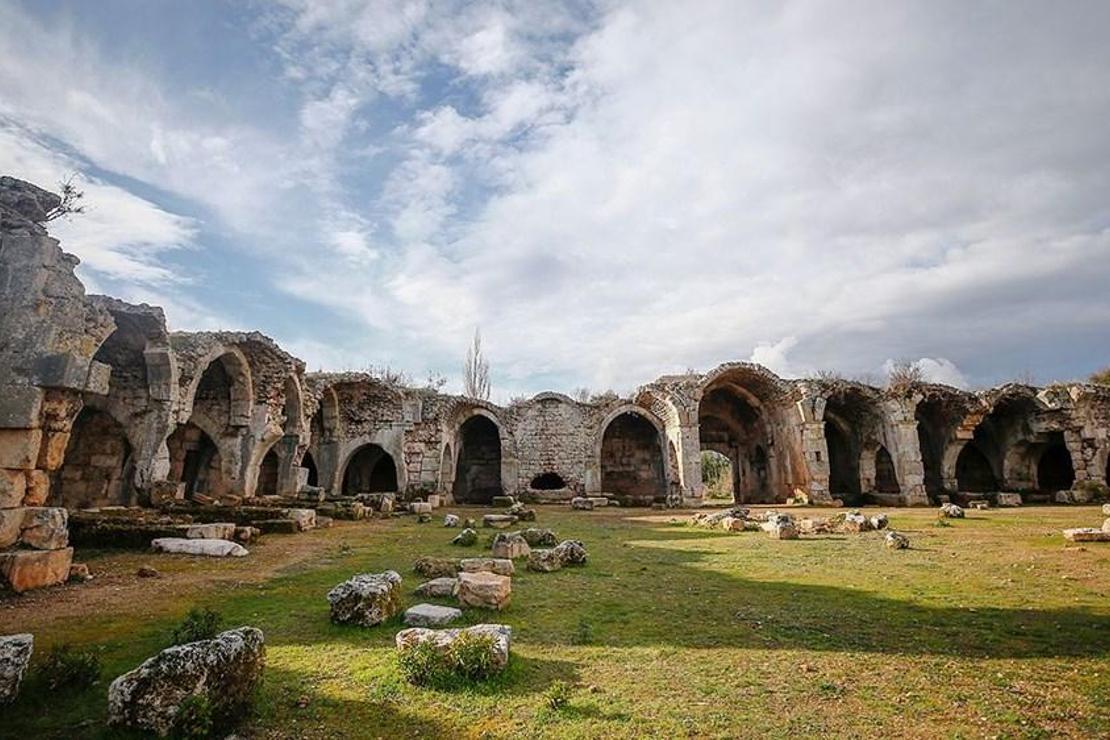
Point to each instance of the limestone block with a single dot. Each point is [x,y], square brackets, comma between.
[571,552]
[29,569]
[305,518]
[584,504]
[15,656]
[1087,534]
[510,545]
[79,572]
[1106,525]
[430,567]
[431,615]
[466,538]
[500,566]
[11,524]
[225,671]
[544,561]
[52,450]
[438,588]
[13,487]
[500,643]
[420,507]
[20,406]
[38,488]
[45,528]
[367,599]
[536,537]
[61,370]
[502,502]
[498,521]
[214,531]
[166,491]
[1009,499]
[896,541]
[485,590]
[879,521]
[1106,509]
[451,520]
[951,511]
[19,448]
[434,500]
[209,548]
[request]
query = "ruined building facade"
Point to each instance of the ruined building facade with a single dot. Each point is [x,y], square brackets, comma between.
[100,404]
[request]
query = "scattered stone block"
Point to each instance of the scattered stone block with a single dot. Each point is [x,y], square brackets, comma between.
[544,561]
[451,520]
[896,541]
[430,567]
[502,502]
[304,518]
[979,505]
[45,528]
[438,588]
[1106,509]
[15,656]
[1087,534]
[498,521]
[500,566]
[466,538]
[25,570]
[470,523]
[814,525]
[324,522]
[423,518]
[510,545]
[536,537]
[420,507]
[145,571]
[431,615]
[485,590]
[600,501]
[246,535]
[782,527]
[951,511]
[225,670]
[500,642]
[79,573]
[879,521]
[571,552]
[582,503]
[852,522]
[367,599]
[434,500]
[207,548]
[1009,499]
[277,526]
[215,531]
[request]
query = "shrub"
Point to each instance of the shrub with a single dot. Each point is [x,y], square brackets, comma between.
[468,659]
[199,624]
[65,667]
[194,718]
[583,633]
[557,695]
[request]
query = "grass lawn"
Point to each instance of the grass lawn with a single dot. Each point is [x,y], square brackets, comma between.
[991,627]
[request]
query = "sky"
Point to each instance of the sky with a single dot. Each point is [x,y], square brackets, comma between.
[610,191]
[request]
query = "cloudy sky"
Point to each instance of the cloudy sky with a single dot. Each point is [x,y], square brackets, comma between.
[610,190]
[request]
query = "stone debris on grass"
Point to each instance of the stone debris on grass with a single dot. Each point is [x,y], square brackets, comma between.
[500,642]
[896,540]
[215,531]
[225,671]
[438,588]
[510,545]
[420,507]
[15,656]
[485,590]
[568,552]
[1088,534]
[536,537]
[431,615]
[466,538]
[207,548]
[500,566]
[431,567]
[450,520]
[1009,499]
[951,511]
[367,599]
[498,521]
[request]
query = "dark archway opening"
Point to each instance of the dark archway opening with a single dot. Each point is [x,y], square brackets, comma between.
[268,474]
[309,464]
[1054,469]
[843,464]
[194,460]
[548,482]
[98,467]
[478,468]
[886,478]
[371,470]
[716,474]
[632,468]
[973,471]
[731,424]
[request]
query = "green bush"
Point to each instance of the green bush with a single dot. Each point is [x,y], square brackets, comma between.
[67,668]
[194,718]
[199,624]
[557,695]
[583,633]
[468,659]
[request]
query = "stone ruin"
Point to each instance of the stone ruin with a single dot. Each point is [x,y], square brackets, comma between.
[102,407]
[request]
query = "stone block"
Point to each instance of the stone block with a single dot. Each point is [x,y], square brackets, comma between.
[438,588]
[15,656]
[500,566]
[500,639]
[60,370]
[13,487]
[510,546]
[420,507]
[431,615]
[207,548]
[19,448]
[99,378]
[213,531]
[434,500]
[20,406]
[25,570]
[45,528]
[11,524]
[305,518]
[485,590]
[1087,534]
[1009,499]
[165,491]
[52,450]
[581,503]
[498,521]
[367,599]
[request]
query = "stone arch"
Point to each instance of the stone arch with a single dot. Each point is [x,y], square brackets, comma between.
[844,460]
[630,457]
[370,469]
[548,482]
[974,472]
[195,461]
[886,476]
[478,466]
[308,462]
[230,363]
[733,420]
[1055,471]
[269,471]
[98,467]
[294,423]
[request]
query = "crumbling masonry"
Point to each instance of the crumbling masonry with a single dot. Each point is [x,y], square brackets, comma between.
[100,405]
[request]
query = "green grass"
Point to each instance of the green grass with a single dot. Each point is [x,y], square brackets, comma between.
[990,627]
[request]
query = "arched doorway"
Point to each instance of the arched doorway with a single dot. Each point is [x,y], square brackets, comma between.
[194,460]
[716,474]
[309,464]
[886,478]
[268,471]
[632,468]
[973,471]
[478,468]
[731,423]
[370,470]
[98,465]
[1054,469]
[843,463]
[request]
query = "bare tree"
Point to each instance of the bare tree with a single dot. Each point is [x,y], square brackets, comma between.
[476,370]
[71,200]
[904,375]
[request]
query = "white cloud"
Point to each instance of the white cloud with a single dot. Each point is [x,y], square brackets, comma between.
[934,370]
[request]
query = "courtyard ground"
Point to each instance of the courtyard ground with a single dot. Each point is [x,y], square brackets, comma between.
[991,627]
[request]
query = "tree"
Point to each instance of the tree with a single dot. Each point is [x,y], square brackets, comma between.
[71,200]
[476,370]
